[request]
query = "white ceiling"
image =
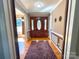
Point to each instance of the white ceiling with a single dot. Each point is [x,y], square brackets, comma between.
[18,12]
[49,5]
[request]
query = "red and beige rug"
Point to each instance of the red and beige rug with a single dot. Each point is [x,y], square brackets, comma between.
[40,50]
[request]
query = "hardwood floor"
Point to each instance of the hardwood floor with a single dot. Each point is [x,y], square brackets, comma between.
[28,43]
[56,51]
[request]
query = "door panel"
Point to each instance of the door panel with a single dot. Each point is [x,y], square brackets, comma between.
[37,27]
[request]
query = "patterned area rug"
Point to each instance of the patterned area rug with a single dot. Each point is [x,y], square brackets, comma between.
[40,50]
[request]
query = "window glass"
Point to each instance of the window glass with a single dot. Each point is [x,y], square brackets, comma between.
[45,24]
[38,24]
[32,22]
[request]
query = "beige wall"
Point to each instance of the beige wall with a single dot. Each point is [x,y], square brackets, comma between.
[59,11]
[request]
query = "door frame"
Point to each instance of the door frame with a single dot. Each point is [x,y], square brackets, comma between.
[10,18]
[9,26]
[69,28]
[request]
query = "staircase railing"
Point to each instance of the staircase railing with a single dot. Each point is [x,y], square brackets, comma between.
[57,39]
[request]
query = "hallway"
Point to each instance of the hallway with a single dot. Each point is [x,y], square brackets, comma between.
[41,23]
[39,29]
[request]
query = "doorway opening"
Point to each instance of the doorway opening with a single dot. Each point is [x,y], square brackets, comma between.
[40,25]
[20,24]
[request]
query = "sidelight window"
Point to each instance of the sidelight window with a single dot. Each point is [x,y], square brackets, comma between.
[32,24]
[45,24]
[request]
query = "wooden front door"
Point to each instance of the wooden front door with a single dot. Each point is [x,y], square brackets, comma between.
[39,26]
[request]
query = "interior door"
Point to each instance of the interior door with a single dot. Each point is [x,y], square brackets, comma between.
[39,26]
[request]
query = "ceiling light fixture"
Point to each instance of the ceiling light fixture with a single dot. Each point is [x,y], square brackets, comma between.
[39,4]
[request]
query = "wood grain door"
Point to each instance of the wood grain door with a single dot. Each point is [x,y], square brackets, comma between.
[39,26]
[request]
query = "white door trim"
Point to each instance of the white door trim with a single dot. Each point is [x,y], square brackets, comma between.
[69,28]
[9,27]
